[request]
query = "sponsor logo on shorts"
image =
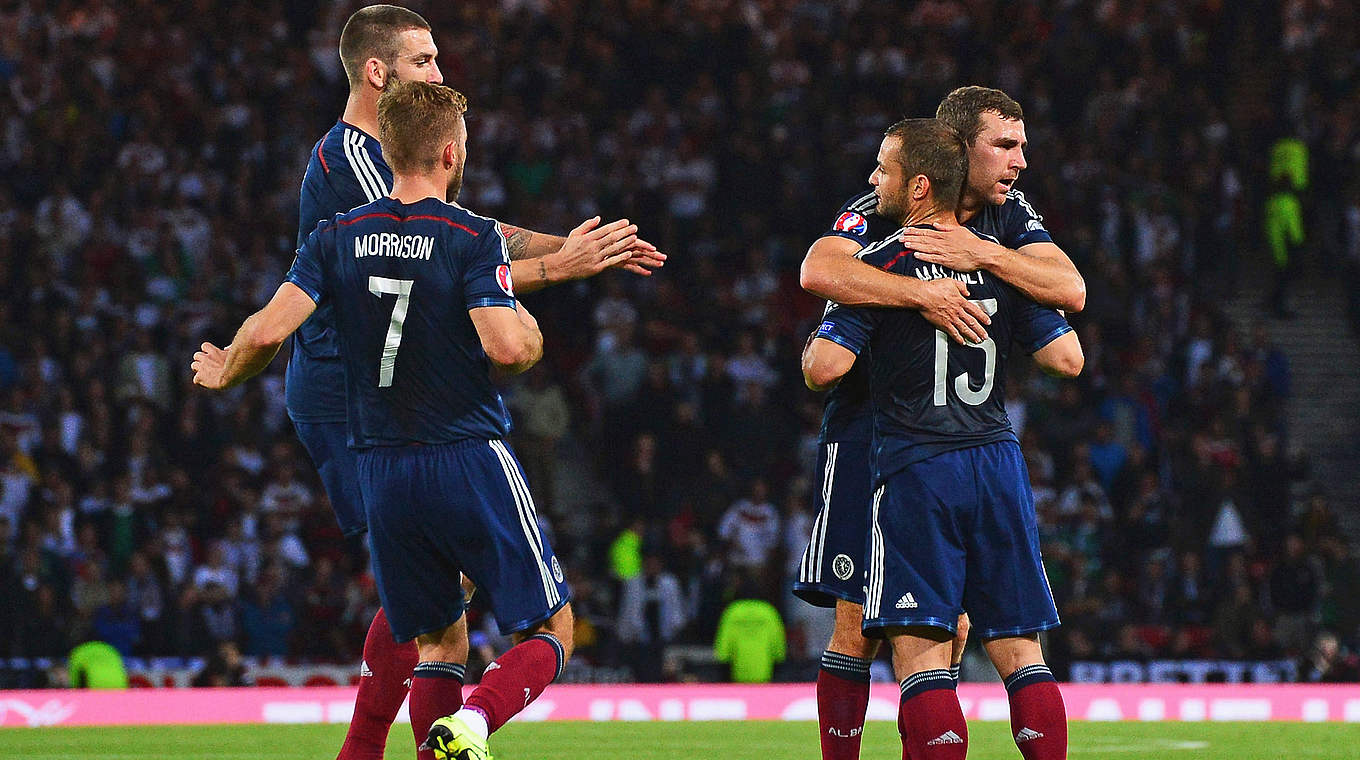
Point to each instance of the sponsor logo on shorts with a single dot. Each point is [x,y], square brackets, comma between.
[907,602]
[557,570]
[843,567]
[364,670]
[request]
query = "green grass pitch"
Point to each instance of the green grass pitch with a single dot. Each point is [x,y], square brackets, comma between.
[751,740]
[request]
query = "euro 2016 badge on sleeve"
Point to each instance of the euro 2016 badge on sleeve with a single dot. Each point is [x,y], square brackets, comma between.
[852,223]
[503,280]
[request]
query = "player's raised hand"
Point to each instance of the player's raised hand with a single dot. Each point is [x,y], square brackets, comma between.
[946,305]
[951,246]
[209,366]
[592,248]
[643,258]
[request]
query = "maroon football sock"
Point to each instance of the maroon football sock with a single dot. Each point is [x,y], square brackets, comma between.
[930,719]
[436,691]
[842,699]
[383,681]
[516,678]
[1038,715]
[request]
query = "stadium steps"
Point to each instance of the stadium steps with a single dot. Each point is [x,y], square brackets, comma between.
[1324,360]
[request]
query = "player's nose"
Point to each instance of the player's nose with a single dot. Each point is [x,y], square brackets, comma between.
[1019,161]
[435,76]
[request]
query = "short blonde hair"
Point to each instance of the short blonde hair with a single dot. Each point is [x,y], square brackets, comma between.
[415,121]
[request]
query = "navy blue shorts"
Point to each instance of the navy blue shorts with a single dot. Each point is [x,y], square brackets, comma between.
[338,466]
[436,511]
[833,563]
[958,532]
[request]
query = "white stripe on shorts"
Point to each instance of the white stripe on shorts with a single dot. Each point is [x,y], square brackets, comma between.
[528,520]
[876,562]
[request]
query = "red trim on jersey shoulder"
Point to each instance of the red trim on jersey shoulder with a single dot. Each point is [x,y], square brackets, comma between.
[324,166]
[449,222]
[395,218]
[900,255]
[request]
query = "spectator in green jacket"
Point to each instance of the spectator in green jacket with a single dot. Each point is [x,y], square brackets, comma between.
[96,665]
[750,638]
[625,553]
[1284,235]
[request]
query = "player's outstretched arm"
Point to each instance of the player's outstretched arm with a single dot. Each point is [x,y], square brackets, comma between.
[539,260]
[1039,270]
[825,362]
[256,342]
[1062,357]
[510,338]
[831,271]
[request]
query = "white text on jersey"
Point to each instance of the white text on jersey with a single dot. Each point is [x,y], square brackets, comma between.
[392,244]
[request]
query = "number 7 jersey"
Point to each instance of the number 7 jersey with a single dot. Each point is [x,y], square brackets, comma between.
[401,279]
[931,395]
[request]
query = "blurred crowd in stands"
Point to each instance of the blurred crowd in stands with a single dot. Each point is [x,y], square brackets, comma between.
[152,154]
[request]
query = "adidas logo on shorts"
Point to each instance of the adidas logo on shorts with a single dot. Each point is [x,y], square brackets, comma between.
[907,602]
[364,670]
[1027,734]
[948,737]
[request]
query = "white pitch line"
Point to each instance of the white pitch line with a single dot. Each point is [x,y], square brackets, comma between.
[1143,745]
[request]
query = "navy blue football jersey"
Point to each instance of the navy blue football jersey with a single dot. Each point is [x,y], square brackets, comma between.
[847,415]
[345,171]
[400,279]
[929,394]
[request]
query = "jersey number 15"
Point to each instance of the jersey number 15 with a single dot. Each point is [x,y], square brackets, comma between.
[963,387]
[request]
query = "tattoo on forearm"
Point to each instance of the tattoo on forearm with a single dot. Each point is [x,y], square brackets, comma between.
[542,271]
[516,241]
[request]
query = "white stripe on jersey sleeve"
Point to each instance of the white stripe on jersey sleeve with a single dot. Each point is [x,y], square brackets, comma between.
[356,166]
[368,161]
[1019,197]
[865,204]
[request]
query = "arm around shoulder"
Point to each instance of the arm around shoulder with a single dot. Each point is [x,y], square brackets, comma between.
[831,271]
[1062,357]
[1055,279]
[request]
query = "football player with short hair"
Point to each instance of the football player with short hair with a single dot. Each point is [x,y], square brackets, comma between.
[952,524]
[423,307]
[992,125]
[381,44]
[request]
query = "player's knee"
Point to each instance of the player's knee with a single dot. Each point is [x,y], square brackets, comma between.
[1010,653]
[560,626]
[447,645]
[848,639]
[563,625]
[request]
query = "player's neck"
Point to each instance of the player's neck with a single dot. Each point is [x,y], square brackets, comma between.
[412,188]
[361,111]
[931,215]
[970,207]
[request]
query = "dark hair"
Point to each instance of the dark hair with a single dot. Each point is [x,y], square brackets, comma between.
[372,33]
[415,120]
[932,148]
[963,108]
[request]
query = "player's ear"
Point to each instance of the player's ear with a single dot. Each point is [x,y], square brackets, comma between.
[450,155]
[920,187]
[375,71]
